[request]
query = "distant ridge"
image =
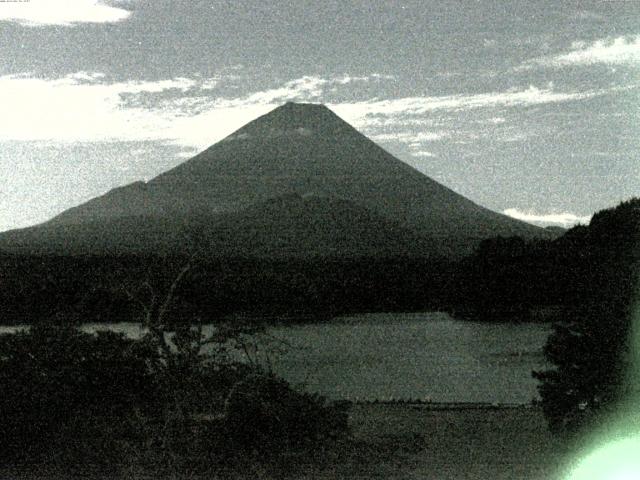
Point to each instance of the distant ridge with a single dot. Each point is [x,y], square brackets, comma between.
[298,179]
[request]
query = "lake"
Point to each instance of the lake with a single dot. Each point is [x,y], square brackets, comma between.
[408,356]
[415,356]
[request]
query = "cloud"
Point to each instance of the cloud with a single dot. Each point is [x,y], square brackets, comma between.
[346,79]
[496,120]
[548,219]
[309,88]
[589,15]
[449,117]
[423,153]
[421,105]
[189,112]
[78,108]
[612,51]
[34,13]
[409,137]
[85,76]
[85,107]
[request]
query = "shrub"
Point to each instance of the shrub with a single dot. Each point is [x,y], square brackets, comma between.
[104,400]
[264,413]
[52,377]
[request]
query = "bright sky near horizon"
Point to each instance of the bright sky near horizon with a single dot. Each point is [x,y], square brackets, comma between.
[527,108]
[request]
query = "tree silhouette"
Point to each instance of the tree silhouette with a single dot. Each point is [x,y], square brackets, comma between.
[591,347]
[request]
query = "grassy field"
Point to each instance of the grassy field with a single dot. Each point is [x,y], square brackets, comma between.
[404,441]
[506,443]
[401,441]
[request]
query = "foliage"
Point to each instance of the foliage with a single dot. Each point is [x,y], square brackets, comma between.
[34,287]
[53,376]
[493,283]
[175,399]
[263,412]
[591,347]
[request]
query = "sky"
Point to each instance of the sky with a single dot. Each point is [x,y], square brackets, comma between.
[527,108]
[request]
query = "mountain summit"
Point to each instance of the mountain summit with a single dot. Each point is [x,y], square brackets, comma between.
[294,152]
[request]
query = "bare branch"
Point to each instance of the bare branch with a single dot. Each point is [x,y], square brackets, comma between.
[149,287]
[136,299]
[172,289]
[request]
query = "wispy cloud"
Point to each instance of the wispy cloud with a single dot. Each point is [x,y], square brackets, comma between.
[35,13]
[420,105]
[85,107]
[309,88]
[423,154]
[409,137]
[624,50]
[496,120]
[368,78]
[417,121]
[564,219]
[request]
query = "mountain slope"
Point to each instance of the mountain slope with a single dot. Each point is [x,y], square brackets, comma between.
[292,226]
[297,149]
[289,226]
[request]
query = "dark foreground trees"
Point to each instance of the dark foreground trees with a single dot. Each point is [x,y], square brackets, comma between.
[36,287]
[593,345]
[79,401]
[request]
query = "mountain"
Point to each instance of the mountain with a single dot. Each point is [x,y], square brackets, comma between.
[289,226]
[298,179]
[292,226]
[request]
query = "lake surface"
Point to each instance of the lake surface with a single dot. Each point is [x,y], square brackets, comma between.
[407,356]
[415,356]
